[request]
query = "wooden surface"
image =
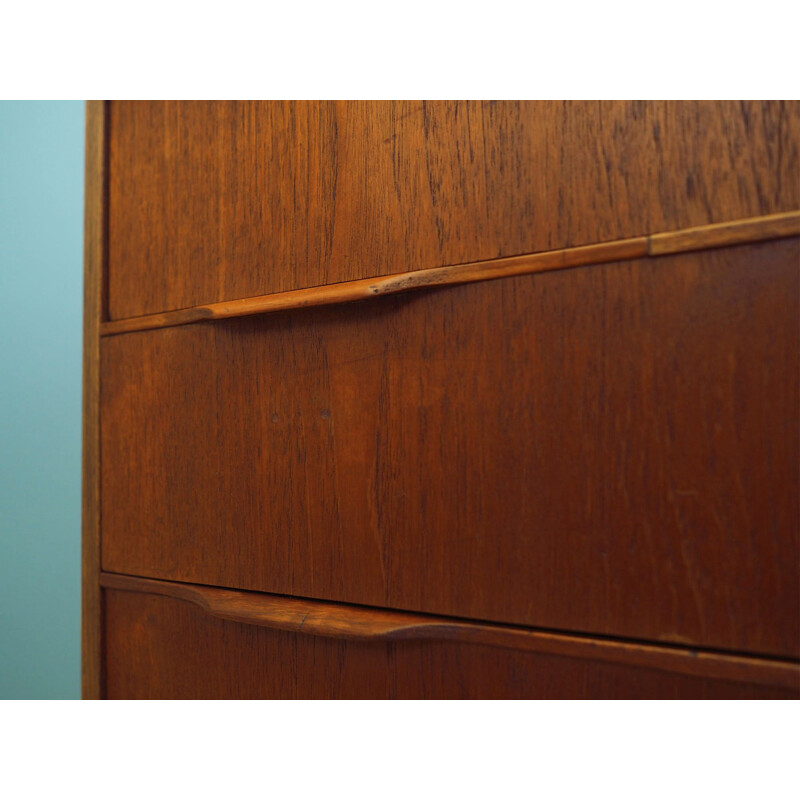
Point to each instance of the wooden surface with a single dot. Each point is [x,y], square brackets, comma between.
[353,291]
[738,232]
[360,623]
[159,647]
[94,243]
[612,451]
[217,201]
[743,231]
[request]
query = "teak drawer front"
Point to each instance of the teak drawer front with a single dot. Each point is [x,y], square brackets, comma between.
[608,449]
[214,201]
[162,648]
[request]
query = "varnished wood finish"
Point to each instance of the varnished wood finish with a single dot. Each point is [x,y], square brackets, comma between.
[94,244]
[742,231]
[612,451]
[352,291]
[359,623]
[217,201]
[567,468]
[775,226]
[160,647]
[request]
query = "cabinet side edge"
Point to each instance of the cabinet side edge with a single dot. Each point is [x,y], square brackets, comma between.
[93,254]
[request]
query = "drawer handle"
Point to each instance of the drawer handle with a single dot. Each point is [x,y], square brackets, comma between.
[754,229]
[337,620]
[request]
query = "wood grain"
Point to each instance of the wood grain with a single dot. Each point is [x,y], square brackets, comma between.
[160,647]
[94,250]
[612,451]
[353,291]
[217,201]
[775,226]
[359,623]
[739,232]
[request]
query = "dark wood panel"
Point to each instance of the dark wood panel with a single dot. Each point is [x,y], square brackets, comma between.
[610,449]
[216,201]
[161,648]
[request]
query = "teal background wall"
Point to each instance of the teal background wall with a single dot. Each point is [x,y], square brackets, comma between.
[41,279]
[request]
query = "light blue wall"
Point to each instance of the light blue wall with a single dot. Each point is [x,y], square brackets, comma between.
[41,278]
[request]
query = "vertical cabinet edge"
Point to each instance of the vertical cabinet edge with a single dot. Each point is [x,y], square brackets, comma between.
[93,254]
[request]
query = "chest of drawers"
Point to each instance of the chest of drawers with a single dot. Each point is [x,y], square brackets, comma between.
[442,400]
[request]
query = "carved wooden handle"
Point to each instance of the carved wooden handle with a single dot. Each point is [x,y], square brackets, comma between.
[773,226]
[337,620]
